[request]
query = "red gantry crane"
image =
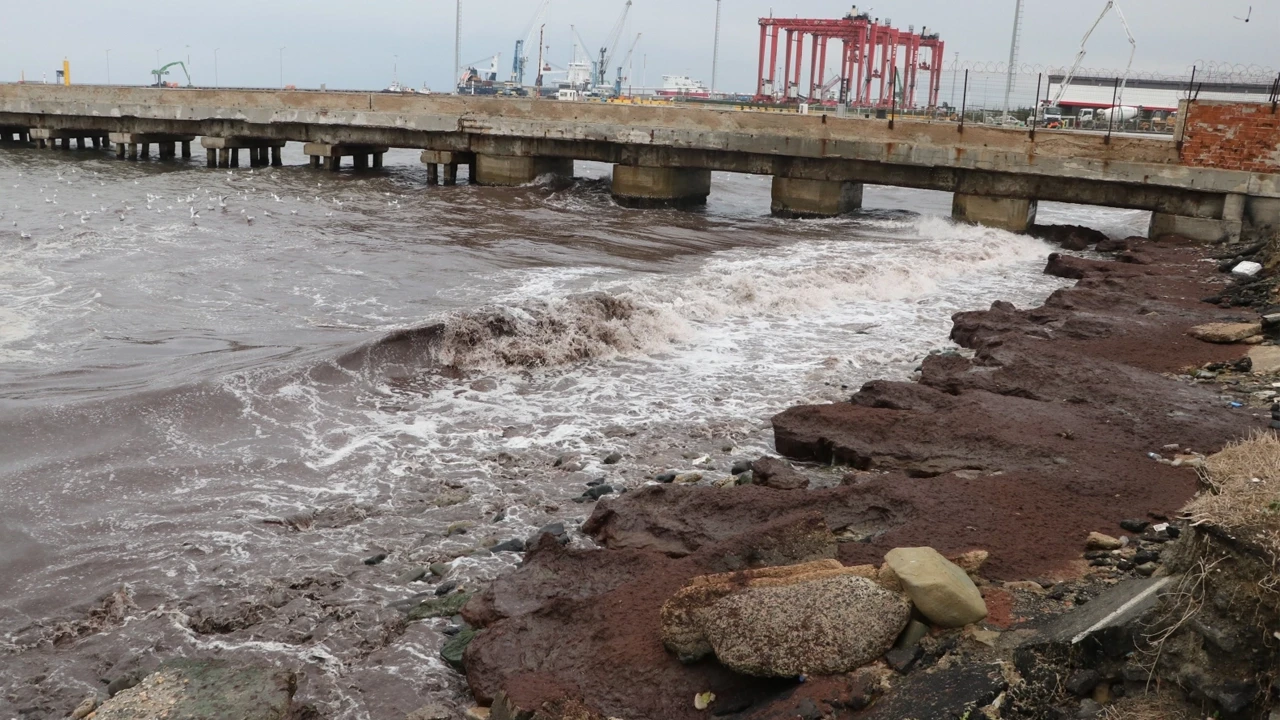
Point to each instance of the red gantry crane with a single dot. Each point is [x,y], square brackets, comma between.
[872,56]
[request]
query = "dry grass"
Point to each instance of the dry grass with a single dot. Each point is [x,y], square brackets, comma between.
[1243,498]
[1156,706]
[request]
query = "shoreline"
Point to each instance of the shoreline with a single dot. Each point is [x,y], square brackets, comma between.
[1043,437]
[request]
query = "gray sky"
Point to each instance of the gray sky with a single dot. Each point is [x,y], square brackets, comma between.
[349,44]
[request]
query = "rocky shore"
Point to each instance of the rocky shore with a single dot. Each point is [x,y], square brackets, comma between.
[1008,535]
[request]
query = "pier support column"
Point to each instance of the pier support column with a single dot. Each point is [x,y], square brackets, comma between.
[224,157]
[97,142]
[649,187]
[507,170]
[796,198]
[360,161]
[1206,230]
[433,174]
[449,161]
[186,149]
[315,161]
[120,150]
[275,156]
[211,158]
[235,157]
[377,161]
[144,150]
[133,151]
[79,143]
[1012,214]
[450,174]
[335,163]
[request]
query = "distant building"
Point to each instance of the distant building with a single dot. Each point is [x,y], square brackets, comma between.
[1151,95]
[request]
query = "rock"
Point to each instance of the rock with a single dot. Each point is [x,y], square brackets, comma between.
[513,545]
[122,683]
[903,659]
[940,590]
[1145,556]
[613,458]
[446,588]
[1134,526]
[439,607]
[572,467]
[439,569]
[1225,332]
[784,607]
[1098,541]
[1248,269]
[912,636]
[739,467]
[1265,358]
[598,492]
[1146,569]
[816,627]
[666,477]
[1081,684]
[777,474]
[476,713]
[972,561]
[955,691]
[1110,246]
[453,650]
[376,559]
[434,711]
[1088,709]
[84,708]
[206,689]
[411,575]
[687,478]
[556,530]
[459,528]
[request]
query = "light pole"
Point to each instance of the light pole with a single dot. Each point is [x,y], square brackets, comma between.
[215,67]
[282,67]
[457,46]
[955,72]
[108,66]
[715,51]
[188,62]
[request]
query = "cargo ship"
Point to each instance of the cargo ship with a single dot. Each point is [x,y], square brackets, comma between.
[682,86]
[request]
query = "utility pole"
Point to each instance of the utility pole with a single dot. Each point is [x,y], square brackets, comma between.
[715,52]
[1013,56]
[955,72]
[108,66]
[215,68]
[282,67]
[457,46]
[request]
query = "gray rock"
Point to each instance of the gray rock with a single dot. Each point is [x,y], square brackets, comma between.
[940,590]
[412,575]
[206,689]
[435,711]
[613,458]
[453,650]
[513,545]
[439,569]
[1146,569]
[740,466]
[912,636]
[666,477]
[375,559]
[903,659]
[1083,682]
[820,627]
[598,492]
[447,606]
[1088,710]
[446,588]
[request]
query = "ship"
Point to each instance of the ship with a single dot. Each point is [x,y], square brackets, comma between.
[682,86]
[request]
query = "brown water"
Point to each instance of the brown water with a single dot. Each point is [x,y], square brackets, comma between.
[206,423]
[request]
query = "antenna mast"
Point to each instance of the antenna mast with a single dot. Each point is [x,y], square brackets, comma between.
[715,52]
[457,45]
[1013,56]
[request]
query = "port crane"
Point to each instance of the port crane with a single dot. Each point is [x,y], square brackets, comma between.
[521,62]
[1133,49]
[163,71]
[617,85]
[611,46]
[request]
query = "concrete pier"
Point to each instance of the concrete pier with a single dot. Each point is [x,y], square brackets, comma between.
[442,166]
[221,152]
[1012,214]
[652,187]
[508,170]
[799,198]
[1236,211]
[139,144]
[51,139]
[330,155]
[10,134]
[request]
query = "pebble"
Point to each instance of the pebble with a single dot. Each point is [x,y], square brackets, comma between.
[1146,569]
[666,477]
[513,545]
[903,659]
[1098,541]
[688,478]
[740,466]
[1143,557]
[613,458]
[1134,526]
[476,713]
[598,492]
[439,569]
[84,708]
[446,588]
[376,559]
[1088,709]
[411,575]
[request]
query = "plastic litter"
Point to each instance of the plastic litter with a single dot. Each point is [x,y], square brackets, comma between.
[1248,268]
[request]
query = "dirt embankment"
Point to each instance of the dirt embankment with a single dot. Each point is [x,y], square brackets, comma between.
[1042,436]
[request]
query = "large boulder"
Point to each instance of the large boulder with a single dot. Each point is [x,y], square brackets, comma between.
[940,590]
[206,689]
[819,618]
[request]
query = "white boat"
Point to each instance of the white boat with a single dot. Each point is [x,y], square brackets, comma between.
[682,86]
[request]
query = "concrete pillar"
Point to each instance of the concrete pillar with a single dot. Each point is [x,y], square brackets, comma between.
[120,150]
[133,151]
[144,150]
[235,157]
[377,161]
[315,161]
[795,198]
[360,161]
[1012,214]
[275,156]
[79,143]
[647,187]
[224,157]
[433,174]
[335,163]
[450,174]
[186,149]
[1206,230]
[97,142]
[211,158]
[508,170]
[473,171]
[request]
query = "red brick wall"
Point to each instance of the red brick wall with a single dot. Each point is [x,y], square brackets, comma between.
[1232,136]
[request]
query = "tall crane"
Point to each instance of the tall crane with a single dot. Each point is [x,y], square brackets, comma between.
[617,85]
[1133,49]
[611,46]
[522,46]
[162,72]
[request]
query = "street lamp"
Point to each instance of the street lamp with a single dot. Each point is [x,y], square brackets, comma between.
[188,62]
[215,67]
[108,66]
[282,67]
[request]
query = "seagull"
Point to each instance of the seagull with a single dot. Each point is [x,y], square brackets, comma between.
[250,219]
[25,236]
[1247,15]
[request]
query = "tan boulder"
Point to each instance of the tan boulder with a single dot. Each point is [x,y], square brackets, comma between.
[1266,359]
[972,561]
[940,590]
[1225,332]
[1098,541]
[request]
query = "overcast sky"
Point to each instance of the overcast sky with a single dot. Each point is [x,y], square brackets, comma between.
[355,43]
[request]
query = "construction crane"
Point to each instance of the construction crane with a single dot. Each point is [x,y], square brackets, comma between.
[617,85]
[163,71]
[521,61]
[611,46]
[1133,49]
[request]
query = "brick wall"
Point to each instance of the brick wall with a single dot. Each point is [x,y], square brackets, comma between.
[1231,136]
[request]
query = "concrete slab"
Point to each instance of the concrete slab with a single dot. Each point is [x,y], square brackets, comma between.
[1206,230]
[218,143]
[341,150]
